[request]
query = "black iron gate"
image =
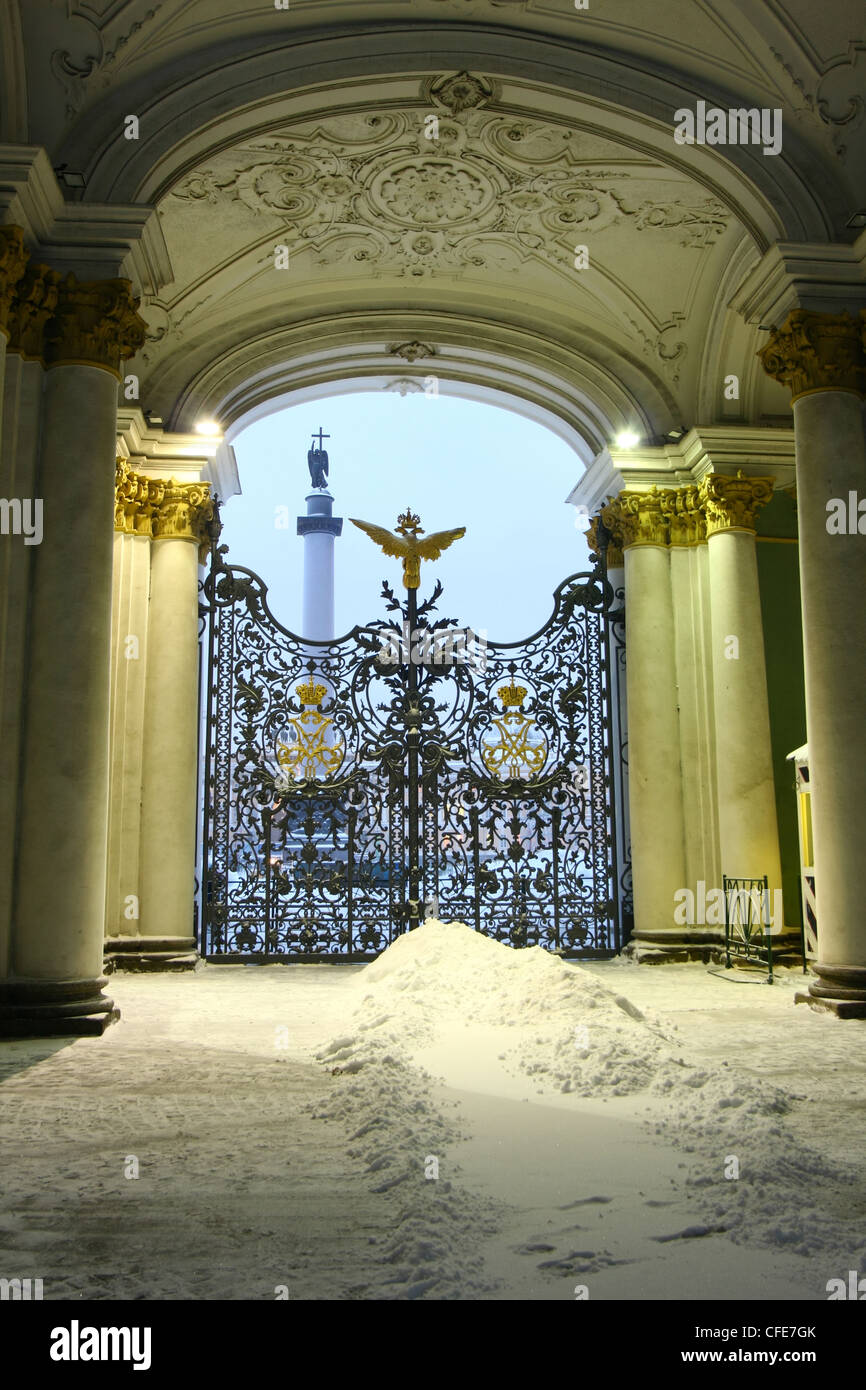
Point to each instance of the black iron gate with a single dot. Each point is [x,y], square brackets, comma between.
[408,768]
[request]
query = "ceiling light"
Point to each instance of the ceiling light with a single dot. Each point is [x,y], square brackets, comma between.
[627,439]
[70,178]
[209,427]
[858,219]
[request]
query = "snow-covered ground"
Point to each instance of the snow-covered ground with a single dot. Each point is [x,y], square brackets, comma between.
[458,1120]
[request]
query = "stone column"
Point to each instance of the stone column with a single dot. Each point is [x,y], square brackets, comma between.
[822,358]
[13,263]
[655,783]
[181,517]
[748,830]
[34,302]
[55,979]
[133,529]
[319,529]
[688,534]
[615,562]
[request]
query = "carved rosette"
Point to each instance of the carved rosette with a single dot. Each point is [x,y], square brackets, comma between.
[731,504]
[686,517]
[13,263]
[817,352]
[96,323]
[33,305]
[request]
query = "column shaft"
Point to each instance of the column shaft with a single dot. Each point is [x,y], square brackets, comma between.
[131,579]
[60,898]
[748,830]
[831,463]
[655,783]
[18,468]
[168,796]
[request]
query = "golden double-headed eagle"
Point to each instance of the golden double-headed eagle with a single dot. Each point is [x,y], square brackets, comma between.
[406,544]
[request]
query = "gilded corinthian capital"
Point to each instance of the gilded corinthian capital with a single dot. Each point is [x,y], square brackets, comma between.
[686,517]
[135,499]
[96,323]
[731,504]
[33,304]
[640,518]
[184,512]
[614,549]
[13,262]
[162,510]
[816,352]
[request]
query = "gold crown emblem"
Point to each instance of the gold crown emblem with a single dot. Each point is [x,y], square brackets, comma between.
[409,521]
[310,694]
[512,695]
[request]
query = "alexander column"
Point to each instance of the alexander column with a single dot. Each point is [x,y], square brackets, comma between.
[318,528]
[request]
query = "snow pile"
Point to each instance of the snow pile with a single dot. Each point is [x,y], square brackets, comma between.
[567,1032]
[559,1024]
[786,1195]
[400,1137]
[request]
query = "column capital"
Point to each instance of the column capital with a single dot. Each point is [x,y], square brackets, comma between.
[686,517]
[13,263]
[135,501]
[817,352]
[34,303]
[96,324]
[615,559]
[184,512]
[162,509]
[731,504]
[641,518]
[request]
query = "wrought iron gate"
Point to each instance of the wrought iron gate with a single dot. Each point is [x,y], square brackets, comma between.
[348,783]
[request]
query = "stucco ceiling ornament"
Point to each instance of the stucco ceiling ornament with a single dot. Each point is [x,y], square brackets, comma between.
[412,352]
[404,386]
[463,91]
[371,191]
[75,73]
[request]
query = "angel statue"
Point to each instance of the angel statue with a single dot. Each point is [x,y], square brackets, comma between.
[406,544]
[317,461]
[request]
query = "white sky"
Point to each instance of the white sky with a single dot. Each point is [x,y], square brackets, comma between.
[457,463]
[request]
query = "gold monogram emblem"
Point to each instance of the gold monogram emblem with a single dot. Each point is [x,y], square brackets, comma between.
[311,753]
[520,751]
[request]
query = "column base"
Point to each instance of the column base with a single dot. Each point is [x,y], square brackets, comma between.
[150,953]
[840,989]
[55,1008]
[702,944]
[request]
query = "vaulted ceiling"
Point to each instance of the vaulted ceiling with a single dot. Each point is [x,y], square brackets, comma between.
[431,167]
